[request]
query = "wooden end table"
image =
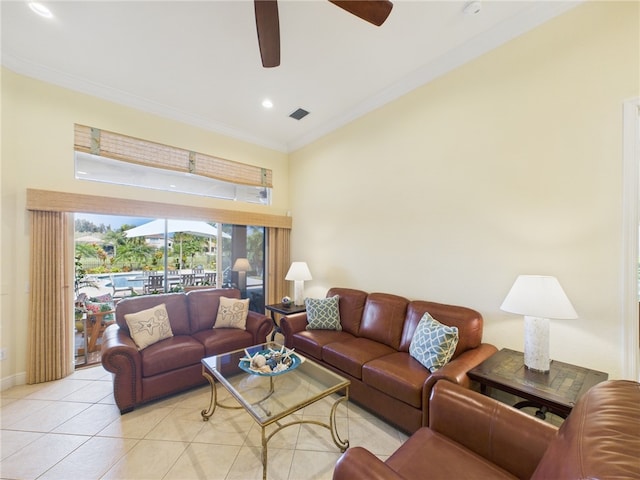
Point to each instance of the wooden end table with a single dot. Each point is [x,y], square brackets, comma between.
[282,309]
[556,391]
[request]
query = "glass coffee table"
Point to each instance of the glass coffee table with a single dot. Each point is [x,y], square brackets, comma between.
[271,398]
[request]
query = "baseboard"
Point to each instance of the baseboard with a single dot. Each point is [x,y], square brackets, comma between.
[13,380]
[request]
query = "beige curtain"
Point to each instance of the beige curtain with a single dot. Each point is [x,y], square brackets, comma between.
[50,347]
[278,258]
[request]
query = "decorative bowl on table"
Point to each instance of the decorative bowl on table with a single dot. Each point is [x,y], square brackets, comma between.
[270,362]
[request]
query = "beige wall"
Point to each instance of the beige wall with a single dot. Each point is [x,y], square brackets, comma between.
[512,164]
[37,152]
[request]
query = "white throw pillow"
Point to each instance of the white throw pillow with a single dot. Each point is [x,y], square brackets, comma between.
[232,313]
[149,326]
[433,343]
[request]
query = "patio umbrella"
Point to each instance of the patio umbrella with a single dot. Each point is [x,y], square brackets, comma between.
[157,227]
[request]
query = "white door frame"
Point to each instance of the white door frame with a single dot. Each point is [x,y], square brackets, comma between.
[630,237]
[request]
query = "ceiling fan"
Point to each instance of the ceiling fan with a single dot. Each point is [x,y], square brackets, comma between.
[268,24]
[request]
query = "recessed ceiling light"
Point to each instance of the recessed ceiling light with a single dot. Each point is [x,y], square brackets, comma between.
[266,103]
[40,9]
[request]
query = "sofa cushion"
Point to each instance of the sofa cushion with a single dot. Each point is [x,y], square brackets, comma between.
[351,355]
[311,341]
[468,321]
[232,313]
[149,326]
[398,373]
[351,305]
[323,313]
[427,454]
[220,340]
[171,354]
[600,438]
[383,318]
[176,304]
[433,344]
[203,306]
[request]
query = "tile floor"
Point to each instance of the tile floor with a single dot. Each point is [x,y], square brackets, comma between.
[71,428]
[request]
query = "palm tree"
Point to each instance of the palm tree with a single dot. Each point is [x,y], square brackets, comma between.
[135,251]
[115,238]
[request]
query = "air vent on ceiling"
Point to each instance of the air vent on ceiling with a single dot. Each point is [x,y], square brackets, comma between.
[299,114]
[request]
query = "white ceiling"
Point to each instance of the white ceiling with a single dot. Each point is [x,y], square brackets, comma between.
[198,61]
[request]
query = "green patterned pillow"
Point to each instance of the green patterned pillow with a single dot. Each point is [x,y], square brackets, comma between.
[433,343]
[323,313]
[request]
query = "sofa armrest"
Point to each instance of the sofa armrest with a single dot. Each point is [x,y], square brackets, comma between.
[292,324]
[497,432]
[259,325]
[358,463]
[120,356]
[455,371]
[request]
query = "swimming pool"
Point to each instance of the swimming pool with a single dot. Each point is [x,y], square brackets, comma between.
[126,279]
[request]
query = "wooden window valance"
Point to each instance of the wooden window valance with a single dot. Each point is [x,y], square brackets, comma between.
[143,152]
[46,200]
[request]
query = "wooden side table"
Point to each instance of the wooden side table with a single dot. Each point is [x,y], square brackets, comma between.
[556,391]
[282,310]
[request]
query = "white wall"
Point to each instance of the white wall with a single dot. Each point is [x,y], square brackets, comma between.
[512,164]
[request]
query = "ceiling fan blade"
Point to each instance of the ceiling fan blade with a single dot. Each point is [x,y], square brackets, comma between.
[372,11]
[268,27]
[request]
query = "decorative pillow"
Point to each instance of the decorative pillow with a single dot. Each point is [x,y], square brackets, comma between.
[232,313]
[433,343]
[323,313]
[149,326]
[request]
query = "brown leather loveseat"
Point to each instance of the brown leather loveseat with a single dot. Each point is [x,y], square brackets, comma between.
[472,436]
[372,351]
[173,364]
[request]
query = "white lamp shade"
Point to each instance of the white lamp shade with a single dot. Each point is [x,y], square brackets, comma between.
[538,296]
[241,265]
[298,271]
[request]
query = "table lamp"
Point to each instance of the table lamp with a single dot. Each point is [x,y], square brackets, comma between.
[242,266]
[538,298]
[298,272]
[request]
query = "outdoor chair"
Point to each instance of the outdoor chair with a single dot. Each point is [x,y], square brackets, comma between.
[154,283]
[209,278]
[188,279]
[120,292]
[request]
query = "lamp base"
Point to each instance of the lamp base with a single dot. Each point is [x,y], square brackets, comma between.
[536,344]
[298,292]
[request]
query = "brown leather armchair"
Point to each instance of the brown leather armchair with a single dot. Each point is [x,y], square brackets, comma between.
[472,436]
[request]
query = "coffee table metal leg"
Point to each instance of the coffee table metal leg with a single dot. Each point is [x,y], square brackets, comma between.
[264,454]
[341,444]
[206,413]
[331,426]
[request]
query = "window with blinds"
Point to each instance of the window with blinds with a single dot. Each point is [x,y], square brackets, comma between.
[109,157]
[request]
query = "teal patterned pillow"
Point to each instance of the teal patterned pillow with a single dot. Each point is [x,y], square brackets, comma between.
[323,313]
[433,343]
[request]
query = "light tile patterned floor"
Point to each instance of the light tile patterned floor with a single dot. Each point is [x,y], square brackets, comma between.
[71,428]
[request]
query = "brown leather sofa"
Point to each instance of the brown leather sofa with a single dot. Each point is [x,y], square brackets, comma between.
[372,350]
[173,364]
[472,436]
